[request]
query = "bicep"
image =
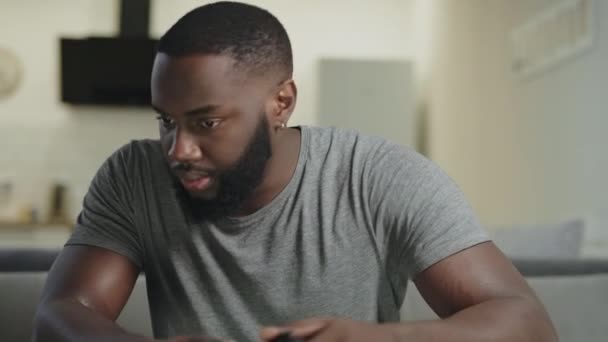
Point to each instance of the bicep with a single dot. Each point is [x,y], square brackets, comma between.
[95,277]
[469,277]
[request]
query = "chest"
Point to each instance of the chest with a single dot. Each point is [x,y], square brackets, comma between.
[278,272]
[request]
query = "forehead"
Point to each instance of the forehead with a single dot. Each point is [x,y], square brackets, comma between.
[194,80]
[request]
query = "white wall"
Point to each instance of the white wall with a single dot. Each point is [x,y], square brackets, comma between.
[44,140]
[524,151]
[318,28]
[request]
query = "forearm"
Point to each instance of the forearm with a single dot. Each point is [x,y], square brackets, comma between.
[72,321]
[508,319]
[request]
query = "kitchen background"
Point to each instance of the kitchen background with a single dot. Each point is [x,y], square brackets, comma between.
[526,143]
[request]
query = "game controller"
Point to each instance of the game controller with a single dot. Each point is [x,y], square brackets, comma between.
[286,337]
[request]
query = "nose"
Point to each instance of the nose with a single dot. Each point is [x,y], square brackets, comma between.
[184,147]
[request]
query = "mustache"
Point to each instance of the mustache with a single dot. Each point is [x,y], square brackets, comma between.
[183,168]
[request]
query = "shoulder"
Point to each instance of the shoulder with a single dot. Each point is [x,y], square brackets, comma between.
[364,150]
[143,148]
[338,137]
[136,153]
[130,160]
[340,141]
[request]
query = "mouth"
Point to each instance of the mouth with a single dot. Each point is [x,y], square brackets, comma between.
[198,183]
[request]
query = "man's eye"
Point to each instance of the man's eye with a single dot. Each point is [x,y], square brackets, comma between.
[208,123]
[165,121]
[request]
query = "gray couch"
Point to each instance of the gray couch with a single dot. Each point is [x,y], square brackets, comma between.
[575,293]
[22,276]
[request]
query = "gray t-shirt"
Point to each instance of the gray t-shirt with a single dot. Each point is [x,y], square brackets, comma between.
[359,218]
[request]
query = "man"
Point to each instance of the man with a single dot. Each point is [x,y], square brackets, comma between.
[247,229]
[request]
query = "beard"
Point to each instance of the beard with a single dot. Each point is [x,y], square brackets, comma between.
[237,183]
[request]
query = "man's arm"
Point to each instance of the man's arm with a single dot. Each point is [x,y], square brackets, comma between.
[478,293]
[85,292]
[480,296]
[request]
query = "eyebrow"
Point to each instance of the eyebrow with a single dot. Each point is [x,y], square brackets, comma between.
[193,112]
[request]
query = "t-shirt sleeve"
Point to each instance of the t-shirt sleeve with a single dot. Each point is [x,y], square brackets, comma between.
[107,216]
[424,216]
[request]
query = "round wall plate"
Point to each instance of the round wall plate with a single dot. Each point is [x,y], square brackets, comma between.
[10,72]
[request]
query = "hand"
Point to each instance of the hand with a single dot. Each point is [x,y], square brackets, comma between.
[331,330]
[196,339]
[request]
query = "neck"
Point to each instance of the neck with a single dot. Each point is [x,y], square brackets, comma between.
[279,170]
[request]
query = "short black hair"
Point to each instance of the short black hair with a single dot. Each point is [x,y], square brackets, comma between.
[251,35]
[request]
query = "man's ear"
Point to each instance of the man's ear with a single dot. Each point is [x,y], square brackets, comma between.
[283,103]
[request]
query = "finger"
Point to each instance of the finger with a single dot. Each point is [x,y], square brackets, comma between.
[271,333]
[305,329]
[300,329]
[197,339]
[326,335]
